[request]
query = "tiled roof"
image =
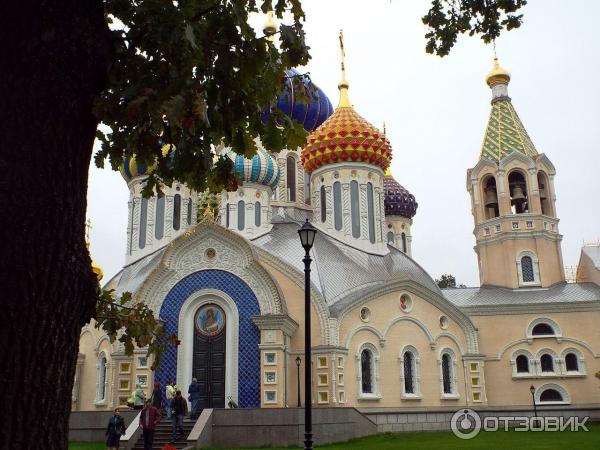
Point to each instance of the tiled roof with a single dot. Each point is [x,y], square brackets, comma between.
[505,133]
[496,296]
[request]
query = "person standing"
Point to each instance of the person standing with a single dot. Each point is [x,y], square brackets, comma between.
[178,406]
[139,397]
[157,396]
[194,397]
[114,430]
[170,394]
[149,418]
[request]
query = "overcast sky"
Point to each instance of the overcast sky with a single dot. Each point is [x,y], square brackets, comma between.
[436,110]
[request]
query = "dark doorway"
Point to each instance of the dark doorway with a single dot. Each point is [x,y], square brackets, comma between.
[209,355]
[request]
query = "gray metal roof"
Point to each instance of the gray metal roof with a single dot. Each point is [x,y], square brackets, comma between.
[131,277]
[340,272]
[593,252]
[491,295]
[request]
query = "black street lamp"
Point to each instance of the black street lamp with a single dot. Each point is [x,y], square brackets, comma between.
[298,362]
[307,237]
[532,390]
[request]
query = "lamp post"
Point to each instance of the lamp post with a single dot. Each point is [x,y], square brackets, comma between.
[298,361]
[532,390]
[307,237]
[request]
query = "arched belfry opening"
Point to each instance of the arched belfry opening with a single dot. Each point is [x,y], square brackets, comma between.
[543,186]
[517,185]
[490,198]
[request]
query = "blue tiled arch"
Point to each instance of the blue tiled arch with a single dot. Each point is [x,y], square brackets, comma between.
[249,335]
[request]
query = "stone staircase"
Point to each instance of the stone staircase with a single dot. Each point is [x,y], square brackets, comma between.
[163,434]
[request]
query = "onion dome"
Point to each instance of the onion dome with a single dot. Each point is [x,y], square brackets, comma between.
[261,169]
[397,200]
[346,136]
[497,75]
[131,168]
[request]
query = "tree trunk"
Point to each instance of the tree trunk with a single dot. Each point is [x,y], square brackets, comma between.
[55,60]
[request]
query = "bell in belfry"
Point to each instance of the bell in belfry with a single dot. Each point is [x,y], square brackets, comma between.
[491,199]
[518,198]
[543,192]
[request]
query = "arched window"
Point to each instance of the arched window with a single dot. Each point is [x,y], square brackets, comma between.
[257,214]
[101,376]
[291,178]
[409,373]
[355,209]
[371,212]
[517,185]
[189,211]
[159,221]
[542,329]
[176,212]
[490,198]
[448,376]
[551,395]
[522,364]
[390,237]
[337,205]
[547,363]
[571,362]
[366,368]
[241,222]
[404,248]
[544,194]
[131,227]
[227,215]
[143,222]
[527,269]
[447,373]
[323,205]
[307,188]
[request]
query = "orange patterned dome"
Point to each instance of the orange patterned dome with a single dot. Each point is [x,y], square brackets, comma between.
[346,136]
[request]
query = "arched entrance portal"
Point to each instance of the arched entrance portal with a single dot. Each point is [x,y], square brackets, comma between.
[209,357]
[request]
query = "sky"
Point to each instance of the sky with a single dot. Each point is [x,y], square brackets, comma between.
[436,110]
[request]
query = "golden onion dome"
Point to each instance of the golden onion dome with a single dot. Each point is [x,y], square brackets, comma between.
[345,136]
[131,168]
[97,270]
[497,75]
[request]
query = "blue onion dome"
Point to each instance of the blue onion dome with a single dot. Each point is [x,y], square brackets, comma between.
[261,169]
[311,114]
[397,200]
[131,168]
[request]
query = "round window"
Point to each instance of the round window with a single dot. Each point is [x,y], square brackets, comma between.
[365,314]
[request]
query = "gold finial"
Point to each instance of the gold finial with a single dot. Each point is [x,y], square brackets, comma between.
[384,131]
[497,75]
[343,85]
[388,171]
[270,27]
[209,214]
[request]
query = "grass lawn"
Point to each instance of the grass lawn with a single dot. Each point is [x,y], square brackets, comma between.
[511,440]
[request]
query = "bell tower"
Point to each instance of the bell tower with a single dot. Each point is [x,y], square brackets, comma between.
[513,201]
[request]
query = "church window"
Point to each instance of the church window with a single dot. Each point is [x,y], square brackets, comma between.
[551,395]
[366,366]
[176,212]
[306,188]
[409,373]
[542,329]
[101,386]
[143,222]
[522,364]
[189,211]
[449,381]
[547,363]
[257,214]
[291,178]
[241,222]
[355,209]
[571,362]
[159,222]
[371,212]
[404,247]
[323,205]
[390,237]
[227,216]
[527,269]
[131,228]
[337,205]
[446,374]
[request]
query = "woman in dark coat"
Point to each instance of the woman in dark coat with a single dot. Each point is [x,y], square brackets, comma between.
[157,396]
[114,430]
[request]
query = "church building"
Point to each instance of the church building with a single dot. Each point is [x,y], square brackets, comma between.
[229,280]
